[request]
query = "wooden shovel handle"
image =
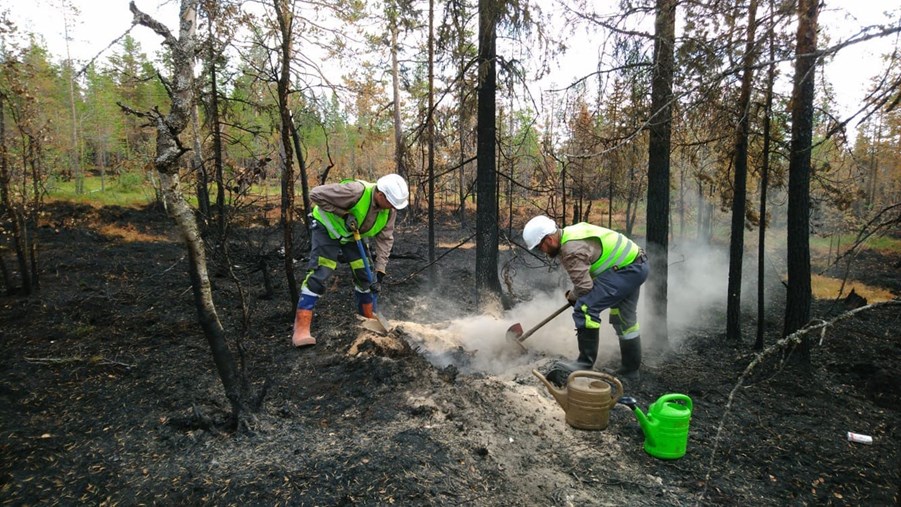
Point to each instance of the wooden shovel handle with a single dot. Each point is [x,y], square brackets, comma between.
[549,318]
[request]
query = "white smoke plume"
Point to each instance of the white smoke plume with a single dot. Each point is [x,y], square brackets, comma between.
[477,344]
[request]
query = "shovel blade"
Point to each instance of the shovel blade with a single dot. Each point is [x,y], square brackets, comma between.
[514,335]
[514,332]
[377,324]
[382,322]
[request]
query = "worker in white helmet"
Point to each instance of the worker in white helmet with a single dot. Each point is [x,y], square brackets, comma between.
[341,208]
[607,270]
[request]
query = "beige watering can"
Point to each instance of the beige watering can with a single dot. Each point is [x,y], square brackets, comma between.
[587,398]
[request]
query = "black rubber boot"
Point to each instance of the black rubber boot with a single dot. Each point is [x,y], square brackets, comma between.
[588,347]
[631,359]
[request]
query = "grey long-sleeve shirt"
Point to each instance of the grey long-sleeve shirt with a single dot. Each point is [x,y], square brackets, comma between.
[339,198]
[576,256]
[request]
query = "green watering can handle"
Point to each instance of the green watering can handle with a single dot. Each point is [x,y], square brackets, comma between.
[675,397]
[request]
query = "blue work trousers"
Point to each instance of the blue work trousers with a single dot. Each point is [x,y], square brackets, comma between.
[618,290]
[324,255]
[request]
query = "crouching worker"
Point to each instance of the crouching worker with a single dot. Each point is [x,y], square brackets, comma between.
[606,269]
[341,208]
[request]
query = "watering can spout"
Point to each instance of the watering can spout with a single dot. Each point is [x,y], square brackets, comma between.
[558,394]
[645,425]
[643,421]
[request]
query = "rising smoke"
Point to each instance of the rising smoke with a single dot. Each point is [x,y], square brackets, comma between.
[477,343]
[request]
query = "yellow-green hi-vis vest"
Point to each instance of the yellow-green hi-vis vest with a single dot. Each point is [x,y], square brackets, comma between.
[616,249]
[334,224]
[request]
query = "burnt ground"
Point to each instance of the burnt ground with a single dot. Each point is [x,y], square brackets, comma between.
[108,394]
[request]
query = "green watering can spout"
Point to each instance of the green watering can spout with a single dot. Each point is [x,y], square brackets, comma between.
[643,421]
[646,425]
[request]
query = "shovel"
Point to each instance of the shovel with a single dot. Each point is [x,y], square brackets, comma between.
[515,334]
[378,324]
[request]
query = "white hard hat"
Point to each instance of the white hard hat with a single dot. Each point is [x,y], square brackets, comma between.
[536,229]
[395,189]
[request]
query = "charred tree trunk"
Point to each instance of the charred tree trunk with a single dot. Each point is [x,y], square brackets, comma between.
[633,191]
[764,184]
[681,203]
[460,28]
[216,128]
[740,192]
[304,185]
[488,284]
[659,167]
[285,23]
[395,92]
[430,127]
[610,201]
[563,191]
[462,176]
[797,304]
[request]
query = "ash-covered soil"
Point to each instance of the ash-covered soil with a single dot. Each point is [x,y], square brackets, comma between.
[108,394]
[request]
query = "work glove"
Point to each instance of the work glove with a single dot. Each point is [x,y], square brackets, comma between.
[571,297]
[350,222]
[377,285]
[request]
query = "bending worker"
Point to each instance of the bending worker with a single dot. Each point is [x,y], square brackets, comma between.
[607,270]
[341,208]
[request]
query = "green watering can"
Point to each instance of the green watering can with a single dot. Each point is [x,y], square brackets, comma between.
[666,425]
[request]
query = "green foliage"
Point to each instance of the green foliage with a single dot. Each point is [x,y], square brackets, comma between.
[884,244]
[129,79]
[128,189]
[130,182]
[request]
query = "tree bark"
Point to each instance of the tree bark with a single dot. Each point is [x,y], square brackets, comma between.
[488,284]
[430,127]
[395,91]
[797,304]
[216,128]
[461,34]
[740,192]
[285,22]
[659,168]
[302,164]
[764,186]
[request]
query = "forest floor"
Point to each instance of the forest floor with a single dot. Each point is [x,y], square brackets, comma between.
[109,396]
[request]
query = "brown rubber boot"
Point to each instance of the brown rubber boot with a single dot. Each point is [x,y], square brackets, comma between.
[302,321]
[366,310]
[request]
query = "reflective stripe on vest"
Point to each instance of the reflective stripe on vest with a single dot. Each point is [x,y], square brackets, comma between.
[334,224]
[616,249]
